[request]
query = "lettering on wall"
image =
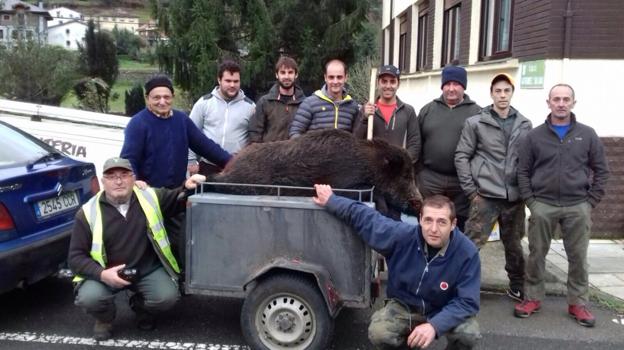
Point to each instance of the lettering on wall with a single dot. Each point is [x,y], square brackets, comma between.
[67,147]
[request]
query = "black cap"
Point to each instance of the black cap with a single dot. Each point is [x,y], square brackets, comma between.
[157,81]
[390,70]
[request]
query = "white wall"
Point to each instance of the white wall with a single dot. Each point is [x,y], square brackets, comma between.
[58,35]
[593,80]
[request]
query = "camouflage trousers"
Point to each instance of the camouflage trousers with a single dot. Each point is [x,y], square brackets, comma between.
[391,325]
[484,212]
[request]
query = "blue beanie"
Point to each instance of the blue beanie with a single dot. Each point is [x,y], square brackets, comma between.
[454,73]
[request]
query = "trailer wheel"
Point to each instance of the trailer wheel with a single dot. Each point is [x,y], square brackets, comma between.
[286,312]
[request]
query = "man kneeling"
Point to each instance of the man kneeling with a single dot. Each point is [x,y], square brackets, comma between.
[434,273]
[119,242]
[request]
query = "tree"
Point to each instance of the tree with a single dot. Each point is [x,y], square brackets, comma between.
[37,73]
[135,100]
[127,43]
[93,94]
[256,32]
[98,57]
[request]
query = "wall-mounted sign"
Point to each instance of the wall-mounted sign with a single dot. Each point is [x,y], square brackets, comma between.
[532,75]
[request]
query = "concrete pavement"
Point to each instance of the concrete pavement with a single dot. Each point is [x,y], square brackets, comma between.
[606,268]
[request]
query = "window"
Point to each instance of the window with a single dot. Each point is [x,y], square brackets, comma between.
[21,19]
[29,34]
[6,17]
[67,43]
[1,34]
[403,44]
[496,22]
[14,34]
[67,31]
[423,34]
[450,40]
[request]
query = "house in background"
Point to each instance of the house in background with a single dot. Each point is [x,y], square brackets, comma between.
[539,42]
[22,21]
[67,34]
[109,22]
[62,15]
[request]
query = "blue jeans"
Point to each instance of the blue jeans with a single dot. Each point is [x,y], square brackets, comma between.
[158,291]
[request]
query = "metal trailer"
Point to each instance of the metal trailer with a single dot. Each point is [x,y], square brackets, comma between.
[294,264]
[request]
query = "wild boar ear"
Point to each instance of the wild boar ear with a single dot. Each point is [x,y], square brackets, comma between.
[393,163]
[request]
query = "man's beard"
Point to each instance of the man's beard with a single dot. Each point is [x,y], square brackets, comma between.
[283,84]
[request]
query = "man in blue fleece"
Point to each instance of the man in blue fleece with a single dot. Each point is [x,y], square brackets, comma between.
[157,139]
[156,143]
[434,273]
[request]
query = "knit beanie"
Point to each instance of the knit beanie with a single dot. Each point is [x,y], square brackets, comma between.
[157,81]
[454,73]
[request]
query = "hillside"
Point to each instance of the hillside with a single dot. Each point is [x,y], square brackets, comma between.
[132,8]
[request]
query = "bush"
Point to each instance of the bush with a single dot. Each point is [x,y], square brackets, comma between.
[135,101]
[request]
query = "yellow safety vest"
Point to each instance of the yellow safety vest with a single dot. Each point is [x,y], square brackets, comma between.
[149,203]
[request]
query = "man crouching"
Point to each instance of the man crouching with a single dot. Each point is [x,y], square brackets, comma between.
[434,273]
[119,242]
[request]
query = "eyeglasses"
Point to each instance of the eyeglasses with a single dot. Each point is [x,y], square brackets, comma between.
[122,176]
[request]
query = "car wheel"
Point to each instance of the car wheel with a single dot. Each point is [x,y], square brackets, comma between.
[286,312]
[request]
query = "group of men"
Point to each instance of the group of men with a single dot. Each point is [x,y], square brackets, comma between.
[475,167]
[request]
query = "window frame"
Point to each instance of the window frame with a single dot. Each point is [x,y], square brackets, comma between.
[490,30]
[403,43]
[422,41]
[451,32]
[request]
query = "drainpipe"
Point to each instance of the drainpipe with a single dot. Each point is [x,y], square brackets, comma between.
[567,34]
[567,40]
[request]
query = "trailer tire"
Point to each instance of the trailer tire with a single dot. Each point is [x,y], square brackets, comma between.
[286,312]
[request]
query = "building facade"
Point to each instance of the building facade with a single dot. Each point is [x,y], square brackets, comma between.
[104,22]
[62,15]
[21,21]
[67,34]
[539,42]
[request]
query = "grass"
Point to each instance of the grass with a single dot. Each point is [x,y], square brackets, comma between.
[116,106]
[128,64]
[608,301]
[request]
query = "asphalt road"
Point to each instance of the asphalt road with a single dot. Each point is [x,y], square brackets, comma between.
[44,317]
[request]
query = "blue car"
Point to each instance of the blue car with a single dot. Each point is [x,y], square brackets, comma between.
[40,191]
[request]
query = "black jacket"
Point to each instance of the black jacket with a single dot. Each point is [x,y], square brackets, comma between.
[559,172]
[273,116]
[402,130]
[125,239]
[440,129]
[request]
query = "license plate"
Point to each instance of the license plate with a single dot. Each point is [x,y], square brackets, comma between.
[52,206]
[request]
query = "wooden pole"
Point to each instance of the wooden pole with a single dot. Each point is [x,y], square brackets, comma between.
[371,99]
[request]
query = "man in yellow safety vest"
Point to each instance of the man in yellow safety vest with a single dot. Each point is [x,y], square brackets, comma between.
[119,242]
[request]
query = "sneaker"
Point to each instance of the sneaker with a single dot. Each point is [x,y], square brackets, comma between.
[102,330]
[582,315]
[515,294]
[526,308]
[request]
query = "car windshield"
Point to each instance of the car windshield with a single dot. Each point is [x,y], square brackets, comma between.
[18,148]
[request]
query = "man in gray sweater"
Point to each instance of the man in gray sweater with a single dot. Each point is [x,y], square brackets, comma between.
[441,122]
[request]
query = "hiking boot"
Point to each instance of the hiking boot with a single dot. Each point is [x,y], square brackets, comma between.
[102,330]
[582,315]
[515,294]
[145,320]
[526,308]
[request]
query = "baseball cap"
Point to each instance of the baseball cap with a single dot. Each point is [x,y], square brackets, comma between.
[116,162]
[390,70]
[503,76]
